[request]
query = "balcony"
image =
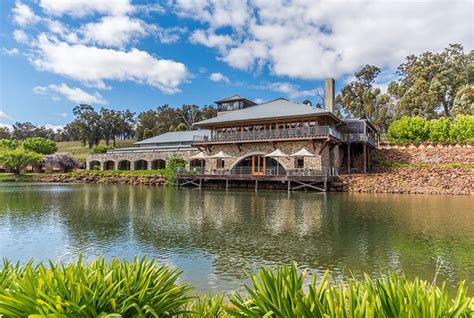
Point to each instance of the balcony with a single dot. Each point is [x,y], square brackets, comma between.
[359,138]
[267,135]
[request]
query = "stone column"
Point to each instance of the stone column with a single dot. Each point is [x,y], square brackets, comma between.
[101,165]
[149,165]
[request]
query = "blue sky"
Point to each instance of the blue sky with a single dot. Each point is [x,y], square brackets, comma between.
[56,54]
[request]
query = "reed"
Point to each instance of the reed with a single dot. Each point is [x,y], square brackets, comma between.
[142,288]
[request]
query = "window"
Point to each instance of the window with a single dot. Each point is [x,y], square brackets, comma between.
[299,162]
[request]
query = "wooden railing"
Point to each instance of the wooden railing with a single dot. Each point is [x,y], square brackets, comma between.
[269,171]
[286,133]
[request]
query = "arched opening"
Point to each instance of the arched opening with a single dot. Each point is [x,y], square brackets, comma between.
[197,165]
[94,165]
[158,164]
[109,165]
[141,165]
[124,165]
[258,165]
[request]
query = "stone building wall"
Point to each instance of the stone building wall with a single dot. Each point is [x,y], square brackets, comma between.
[245,150]
[330,156]
[148,156]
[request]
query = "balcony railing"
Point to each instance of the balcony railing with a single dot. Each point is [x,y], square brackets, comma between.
[359,138]
[271,171]
[287,133]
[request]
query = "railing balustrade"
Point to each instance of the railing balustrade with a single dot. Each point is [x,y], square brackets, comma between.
[269,171]
[314,131]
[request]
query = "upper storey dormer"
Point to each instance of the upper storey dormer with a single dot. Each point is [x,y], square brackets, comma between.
[232,103]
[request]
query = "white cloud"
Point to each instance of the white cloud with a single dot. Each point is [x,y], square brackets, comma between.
[290,90]
[8,126]
[94,65]
[169,35]
[63,115]
[53,127]
[10,52]
[219,77]
[74,94]
[114,31]
[23,15]
[210,39]
[20,36]
[82,8]
[310,39]
[4,116]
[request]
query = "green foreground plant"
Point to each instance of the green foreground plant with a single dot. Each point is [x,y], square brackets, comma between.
[143,288]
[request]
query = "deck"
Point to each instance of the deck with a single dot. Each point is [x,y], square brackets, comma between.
[295,181]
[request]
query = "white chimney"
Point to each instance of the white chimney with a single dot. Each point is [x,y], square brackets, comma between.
[329,94]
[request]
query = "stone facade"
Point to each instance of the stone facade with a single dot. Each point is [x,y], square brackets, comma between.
[330,156]
[134,156]
[245,150]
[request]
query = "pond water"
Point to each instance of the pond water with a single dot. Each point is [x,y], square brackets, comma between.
[216,236]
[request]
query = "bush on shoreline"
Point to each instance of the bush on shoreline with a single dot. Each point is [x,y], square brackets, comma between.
[143,288]
[417,129]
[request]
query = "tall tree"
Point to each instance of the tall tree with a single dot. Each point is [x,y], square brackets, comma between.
[361,99]
[5,133]
[429,83]
[88,124]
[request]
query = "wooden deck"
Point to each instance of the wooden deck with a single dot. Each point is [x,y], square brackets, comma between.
[293,182]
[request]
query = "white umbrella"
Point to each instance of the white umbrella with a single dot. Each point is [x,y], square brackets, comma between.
[220,155]
[276,153]
[201,157]
[302,153]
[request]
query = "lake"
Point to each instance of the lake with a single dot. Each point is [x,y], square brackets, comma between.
[216,236]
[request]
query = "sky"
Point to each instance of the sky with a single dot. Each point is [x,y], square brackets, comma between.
[138,55]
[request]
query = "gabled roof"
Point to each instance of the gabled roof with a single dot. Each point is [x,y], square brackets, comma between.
[234,98]
[277,108]
[175,137]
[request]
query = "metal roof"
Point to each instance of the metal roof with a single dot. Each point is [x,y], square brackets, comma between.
[175,137]
[230,98]
[277,108]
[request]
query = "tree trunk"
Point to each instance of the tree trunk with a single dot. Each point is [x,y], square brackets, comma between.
[446,109]
[113,140]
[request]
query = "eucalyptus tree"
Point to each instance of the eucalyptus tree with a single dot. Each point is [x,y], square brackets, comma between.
[361,99]
[433,84]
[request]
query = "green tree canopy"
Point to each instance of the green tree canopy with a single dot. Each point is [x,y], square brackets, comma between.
[40,145]
[430,82]
[361,99]
[18,159]
[5,133]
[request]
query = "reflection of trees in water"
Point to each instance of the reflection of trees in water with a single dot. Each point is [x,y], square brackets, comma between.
[243,229]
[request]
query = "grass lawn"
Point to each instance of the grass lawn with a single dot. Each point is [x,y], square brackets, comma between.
[76,148]
[7,177]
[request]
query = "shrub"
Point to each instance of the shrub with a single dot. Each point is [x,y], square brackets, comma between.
[132,289]
[463,128]
[100,149]
[144,289]
[172,165]
[8,144]
[439,129]
[40,145]
[65,161]
[18,159]
[281,293]
[408,129]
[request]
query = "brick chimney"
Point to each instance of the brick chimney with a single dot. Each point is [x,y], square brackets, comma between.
[329,94]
